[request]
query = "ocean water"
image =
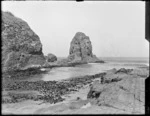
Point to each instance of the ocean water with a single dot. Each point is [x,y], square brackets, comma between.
[60,73]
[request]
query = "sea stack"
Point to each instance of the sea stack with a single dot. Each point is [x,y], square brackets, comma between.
[21,47]
[81,49]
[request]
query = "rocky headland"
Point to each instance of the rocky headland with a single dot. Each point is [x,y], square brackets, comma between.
[21,47]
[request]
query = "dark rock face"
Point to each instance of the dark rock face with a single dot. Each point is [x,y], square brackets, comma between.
[81,49]
[51,58]
[21,47]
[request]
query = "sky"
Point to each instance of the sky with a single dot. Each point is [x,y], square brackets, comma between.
[115,28]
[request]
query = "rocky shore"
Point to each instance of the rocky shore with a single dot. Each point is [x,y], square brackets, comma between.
[118,91]
[48,91]
[112,92]
[22,48]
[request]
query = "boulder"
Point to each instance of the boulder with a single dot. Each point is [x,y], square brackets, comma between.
[21,47]
[81,49]
[51,58]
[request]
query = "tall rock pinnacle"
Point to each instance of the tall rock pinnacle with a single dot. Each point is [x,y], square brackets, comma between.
[81,49]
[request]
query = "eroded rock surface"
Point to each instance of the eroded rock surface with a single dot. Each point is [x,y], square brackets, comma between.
[81,49]
[21,47]
[126,94]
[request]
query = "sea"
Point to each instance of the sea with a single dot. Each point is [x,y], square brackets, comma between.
[60,73]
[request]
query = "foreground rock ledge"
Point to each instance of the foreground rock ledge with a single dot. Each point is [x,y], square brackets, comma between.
[123,90]
[21,47]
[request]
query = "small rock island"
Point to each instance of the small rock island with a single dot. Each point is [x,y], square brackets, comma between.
[81,49]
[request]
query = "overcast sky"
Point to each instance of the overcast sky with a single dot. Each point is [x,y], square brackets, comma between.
[116,29]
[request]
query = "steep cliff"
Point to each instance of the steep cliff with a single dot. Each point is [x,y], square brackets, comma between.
[21,47]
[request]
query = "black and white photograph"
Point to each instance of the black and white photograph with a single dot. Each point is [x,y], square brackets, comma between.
[68,57]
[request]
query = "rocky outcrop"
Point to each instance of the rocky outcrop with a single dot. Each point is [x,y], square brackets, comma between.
[51,58]
[21,47]
[125,93]
[81,49]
